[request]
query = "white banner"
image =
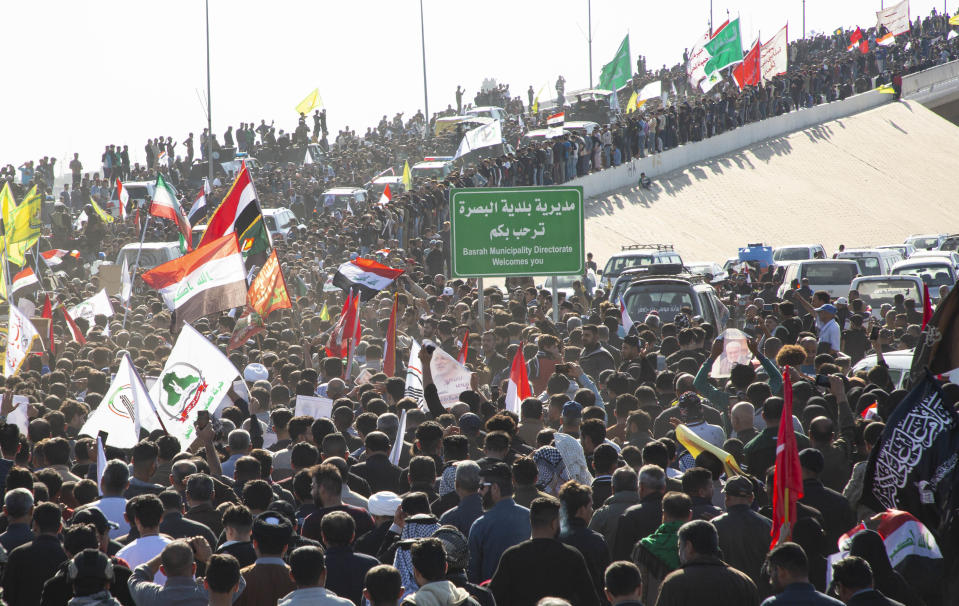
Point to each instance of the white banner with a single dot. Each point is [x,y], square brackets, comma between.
[698,57]
[313,406]
[414,376]
[895,18]
[450,377]
[95,305]
[197,376]
[774,55]
[20,336]
[487,135]
[124,410]
[651,91]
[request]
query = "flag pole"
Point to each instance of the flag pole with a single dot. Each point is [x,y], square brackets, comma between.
[209,108]
[589,25]
[136,266]
[426,98]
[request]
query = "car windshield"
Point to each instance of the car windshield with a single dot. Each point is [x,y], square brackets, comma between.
[270,222]
[925,243]
[149,258]
[877,292]
[791,253]
[933,274]
[616,265]
[868,266]
[829,273]
[666,300]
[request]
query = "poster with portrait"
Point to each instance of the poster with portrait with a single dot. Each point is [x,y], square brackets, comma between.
[735,351]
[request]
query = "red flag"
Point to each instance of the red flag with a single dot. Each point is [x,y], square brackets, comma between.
[926,306]
[355,330]
[518,387]
[864,46]
[748,72]
[48,314]
[464,349]
[389,353]
[787,486]
[335,346]
[74,329]
[854,38]
[136,218]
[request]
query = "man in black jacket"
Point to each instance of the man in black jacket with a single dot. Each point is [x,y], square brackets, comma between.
[578,501]
[377,469]
[77,537]
[543,566]
[641,520]
[839,516]
[174,524]
[30,565]
[743,533]
[854,583]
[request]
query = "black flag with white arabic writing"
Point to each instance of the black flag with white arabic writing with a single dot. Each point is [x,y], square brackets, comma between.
[913,466]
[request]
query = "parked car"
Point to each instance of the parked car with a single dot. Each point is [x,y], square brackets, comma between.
[933,271]
[899,363]
[872,261]
[951,242]
[436,169]
[926,241]
[798,252]
[279,222]
[876,291]
[667,295]
[832,275]
[634,255]
[703,268]
[906,250]
[152,255]
[339,197]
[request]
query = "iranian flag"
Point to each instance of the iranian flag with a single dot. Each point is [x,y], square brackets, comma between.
[518,388]
[123,197]
[210,279]
[166,206]
[367,275]
[239,213]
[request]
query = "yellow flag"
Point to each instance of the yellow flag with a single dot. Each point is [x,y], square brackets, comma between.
[3,281]
[25,222]
[105,216]
[535,106]
[695,445]
[954,20]
[7,203]
[311,102]
[325,313]
[631,105]
[407,178]
[886,88]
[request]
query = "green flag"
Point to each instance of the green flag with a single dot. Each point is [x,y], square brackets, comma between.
[725,48]
[617,72]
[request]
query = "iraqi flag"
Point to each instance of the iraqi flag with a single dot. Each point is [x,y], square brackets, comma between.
[54,256]
[386,196]
[166,206]
[556,120]
[518,388]
[367,275]
[24,279]
[199,209]
[239,213]
[123,198]
[210,279]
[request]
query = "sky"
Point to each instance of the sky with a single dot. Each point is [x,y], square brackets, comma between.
[120,71]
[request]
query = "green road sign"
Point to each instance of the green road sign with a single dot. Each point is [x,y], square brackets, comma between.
[517,231]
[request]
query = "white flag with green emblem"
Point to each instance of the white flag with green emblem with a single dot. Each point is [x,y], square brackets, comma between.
[197,376]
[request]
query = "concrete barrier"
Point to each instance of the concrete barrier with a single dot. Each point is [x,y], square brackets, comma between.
[929,79]
[612,179]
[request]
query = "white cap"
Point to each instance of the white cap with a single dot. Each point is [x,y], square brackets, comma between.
[448,291]
[842,301]
[255,372]
[383,503]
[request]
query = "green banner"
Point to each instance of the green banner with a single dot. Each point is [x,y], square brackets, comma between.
[617,72]
[725,48]
[517,231]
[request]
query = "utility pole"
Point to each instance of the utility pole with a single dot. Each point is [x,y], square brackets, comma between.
[803,19]
[589,37]
[209,105]
[426,99]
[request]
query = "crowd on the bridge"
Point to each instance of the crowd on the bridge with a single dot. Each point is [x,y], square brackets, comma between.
[634,474]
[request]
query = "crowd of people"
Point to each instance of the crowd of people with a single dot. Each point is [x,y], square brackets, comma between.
[589,493]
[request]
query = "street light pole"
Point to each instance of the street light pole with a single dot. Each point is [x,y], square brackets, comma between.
[426,99]
[710,17]
[209,105]
[589,37]
[804,19]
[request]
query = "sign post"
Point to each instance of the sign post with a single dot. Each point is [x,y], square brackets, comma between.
[517,231]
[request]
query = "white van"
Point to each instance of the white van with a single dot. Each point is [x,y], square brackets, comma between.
[934,271]
[877,291]
[832,275]
[798,252]
[872,261]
